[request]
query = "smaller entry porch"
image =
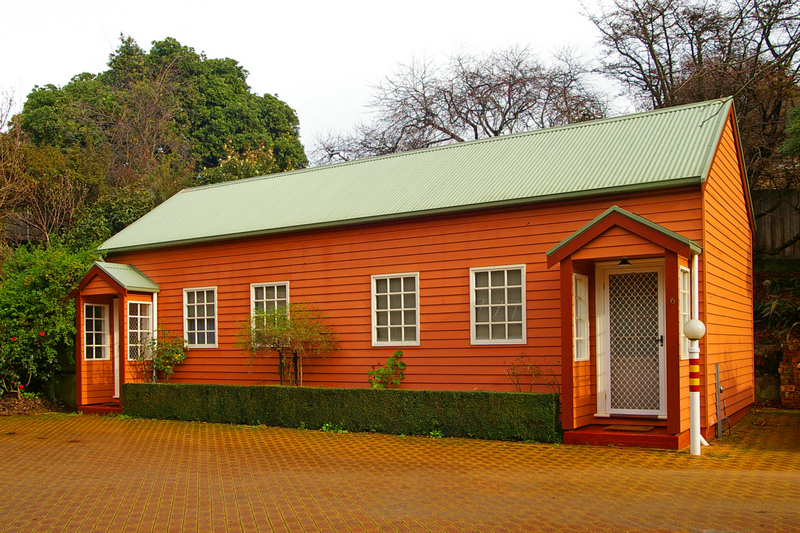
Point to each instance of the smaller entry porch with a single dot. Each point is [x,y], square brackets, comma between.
[625,286]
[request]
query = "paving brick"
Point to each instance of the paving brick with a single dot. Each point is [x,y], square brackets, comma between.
[79,473]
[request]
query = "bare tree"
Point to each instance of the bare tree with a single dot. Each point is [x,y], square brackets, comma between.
[672,52]
[11,154]
[472,97]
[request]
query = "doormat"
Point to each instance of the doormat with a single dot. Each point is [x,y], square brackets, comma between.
[638,429]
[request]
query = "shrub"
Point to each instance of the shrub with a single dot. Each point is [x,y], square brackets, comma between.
[474,414]
[389,375]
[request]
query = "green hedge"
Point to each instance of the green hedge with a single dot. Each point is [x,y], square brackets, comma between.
[475,414]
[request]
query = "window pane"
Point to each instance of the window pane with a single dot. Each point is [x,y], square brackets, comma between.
[89,352]
[201,337]
[394,285]
[210,324]
[281,292]
[395,301]
[482,332]
[383,318]
[514,295]
[481,297]
[410,318]
[190,325]
[410,301]
[482,314]
[498,278]
[211,337]
[498,314]
[98,339]
[133,322]
[395,318]
[259,306]
[200,296]
[481,279]
[270,292]
[381,301]
[498,296]
[190,297]
[382,334]
[514,277]
[381,286]
[191,338]
[89,310]
[515,331]
[209,296]
[98,311]
[190,311]
[210,310]
[514,313]
[396,334]
[259,293]
[498,331]
[269,306]
[410,334]
[409,284]
[201,325]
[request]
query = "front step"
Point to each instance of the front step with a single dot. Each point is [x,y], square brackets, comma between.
[597,435]
[110,408]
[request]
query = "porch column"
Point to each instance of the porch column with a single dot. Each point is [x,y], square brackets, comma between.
[567,400]
[672,333]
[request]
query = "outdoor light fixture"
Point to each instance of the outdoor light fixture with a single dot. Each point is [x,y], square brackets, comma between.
[624,262]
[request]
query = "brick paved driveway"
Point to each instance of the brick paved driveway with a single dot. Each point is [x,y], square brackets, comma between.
[88,473]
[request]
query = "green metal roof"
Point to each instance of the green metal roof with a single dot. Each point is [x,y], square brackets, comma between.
[128,276]
[693,246]
[659,149]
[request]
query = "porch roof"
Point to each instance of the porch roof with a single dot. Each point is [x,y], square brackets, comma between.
[616,216]
[128,277]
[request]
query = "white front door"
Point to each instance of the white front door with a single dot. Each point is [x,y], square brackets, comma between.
[631,366]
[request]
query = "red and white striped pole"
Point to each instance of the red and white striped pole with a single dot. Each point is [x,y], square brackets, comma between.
[694,330]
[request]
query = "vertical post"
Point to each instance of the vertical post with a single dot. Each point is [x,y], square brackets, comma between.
[694,330]
[719,401]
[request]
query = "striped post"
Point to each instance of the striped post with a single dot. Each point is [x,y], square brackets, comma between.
[694,330]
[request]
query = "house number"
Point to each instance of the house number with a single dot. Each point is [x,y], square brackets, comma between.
[672,301]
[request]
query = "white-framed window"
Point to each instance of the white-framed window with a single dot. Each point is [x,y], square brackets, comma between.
[497,305]
[200,317]
[685,308]
[269,296]
[140,329]
[95,330]
[395,310]
[580,317]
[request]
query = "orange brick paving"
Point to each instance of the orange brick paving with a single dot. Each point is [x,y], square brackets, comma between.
[90,473]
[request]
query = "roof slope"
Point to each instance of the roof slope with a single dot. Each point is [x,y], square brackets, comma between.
[128,277]
[663,148]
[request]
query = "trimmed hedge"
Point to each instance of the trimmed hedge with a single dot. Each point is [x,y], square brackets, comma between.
[474,414]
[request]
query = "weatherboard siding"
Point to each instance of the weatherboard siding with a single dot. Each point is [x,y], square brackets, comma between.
[331,268]
[728,259]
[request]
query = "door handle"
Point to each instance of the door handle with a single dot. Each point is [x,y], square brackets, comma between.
[660,340]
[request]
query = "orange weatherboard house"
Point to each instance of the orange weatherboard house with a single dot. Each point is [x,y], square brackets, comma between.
[576,247]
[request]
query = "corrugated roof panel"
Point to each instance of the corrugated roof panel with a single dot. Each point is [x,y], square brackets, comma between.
[656,149]
[128,276]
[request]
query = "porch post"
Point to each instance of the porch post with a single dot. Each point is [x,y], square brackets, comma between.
[567,403]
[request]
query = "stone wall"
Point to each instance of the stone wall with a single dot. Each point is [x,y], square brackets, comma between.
[790,379]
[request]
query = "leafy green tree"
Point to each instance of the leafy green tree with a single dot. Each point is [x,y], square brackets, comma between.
[37,318]
[289,332]
[170,100]
[791,145]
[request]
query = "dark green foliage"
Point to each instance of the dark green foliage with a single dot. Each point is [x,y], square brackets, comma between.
[474,414]
[190,104]
[389,375]
[37,318]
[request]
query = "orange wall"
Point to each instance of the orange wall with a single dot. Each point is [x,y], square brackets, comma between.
[728,253]
[332,268]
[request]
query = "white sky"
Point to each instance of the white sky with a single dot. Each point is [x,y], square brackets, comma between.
[319,57]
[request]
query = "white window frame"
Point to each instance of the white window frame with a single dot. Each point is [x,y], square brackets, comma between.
[105,342]
[402,310]
[254,286]
[684,308]
[142,335]
[580,317]
[186,318]
[472,306]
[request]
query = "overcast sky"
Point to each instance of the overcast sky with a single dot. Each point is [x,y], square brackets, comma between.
[319,57]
